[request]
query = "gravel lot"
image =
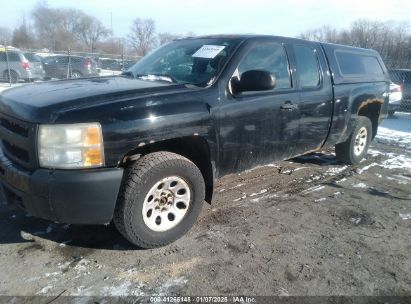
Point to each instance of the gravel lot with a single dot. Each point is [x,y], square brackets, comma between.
[308,226]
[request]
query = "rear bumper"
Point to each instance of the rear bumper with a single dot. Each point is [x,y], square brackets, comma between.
[65,196]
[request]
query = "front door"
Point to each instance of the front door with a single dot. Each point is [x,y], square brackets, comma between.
[257,128]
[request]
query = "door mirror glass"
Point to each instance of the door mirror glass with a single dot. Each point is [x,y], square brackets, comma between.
[254,80]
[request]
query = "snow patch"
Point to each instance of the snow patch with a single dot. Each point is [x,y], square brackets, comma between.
[396,130]
[236,186]
[360,185]
[165,288]
[44,290]
[240,198]
[405,216]
[360,171]
[397,162]
[261,192]
[375,152]
[336,170]
[313,189]
[122,289]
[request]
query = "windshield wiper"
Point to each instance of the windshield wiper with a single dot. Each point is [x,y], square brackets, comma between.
[161,77]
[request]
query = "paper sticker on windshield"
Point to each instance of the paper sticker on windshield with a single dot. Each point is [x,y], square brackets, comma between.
[208,51]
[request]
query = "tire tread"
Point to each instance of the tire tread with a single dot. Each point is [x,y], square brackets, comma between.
[133,177]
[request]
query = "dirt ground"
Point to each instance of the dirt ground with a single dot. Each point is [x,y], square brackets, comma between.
[309,226]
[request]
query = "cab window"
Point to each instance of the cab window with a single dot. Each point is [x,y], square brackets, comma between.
[271,57]
[307,66]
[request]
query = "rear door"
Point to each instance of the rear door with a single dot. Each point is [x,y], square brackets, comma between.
[259,127]
[315,96]
[50,66]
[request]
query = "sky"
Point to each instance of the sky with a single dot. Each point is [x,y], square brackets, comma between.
[285,18]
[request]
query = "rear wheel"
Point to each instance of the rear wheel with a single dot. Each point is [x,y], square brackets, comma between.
[160,199]
[76,74]
[354,149]
[13,77]
[391,113]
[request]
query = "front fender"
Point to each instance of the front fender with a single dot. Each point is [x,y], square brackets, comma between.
[156,124]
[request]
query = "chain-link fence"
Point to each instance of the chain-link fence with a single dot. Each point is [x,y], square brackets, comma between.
[18,65]
[400,95]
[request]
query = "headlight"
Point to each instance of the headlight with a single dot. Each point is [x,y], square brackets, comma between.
[71,146]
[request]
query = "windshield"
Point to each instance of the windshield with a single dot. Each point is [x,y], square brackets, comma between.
[191,61]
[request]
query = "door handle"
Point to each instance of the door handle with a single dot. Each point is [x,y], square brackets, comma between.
[288,105]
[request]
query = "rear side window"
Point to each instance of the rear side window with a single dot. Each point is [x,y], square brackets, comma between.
[14,57]
[61,60]
[307,66]
[271,57]
[32,57]
[354,64]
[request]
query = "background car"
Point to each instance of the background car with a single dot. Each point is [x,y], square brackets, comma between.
[63,66]
[128,64]
[20,66]
[402,77]
[395,98]
[111,64]
[36,65]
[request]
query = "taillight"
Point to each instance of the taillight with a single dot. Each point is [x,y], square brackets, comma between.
[87,64]
[25,65]
[396,89]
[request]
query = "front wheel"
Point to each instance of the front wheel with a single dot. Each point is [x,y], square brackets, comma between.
[76,74]
[160,199]
[11,77]
[354,149]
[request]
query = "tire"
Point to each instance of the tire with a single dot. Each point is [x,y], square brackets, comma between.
[132,215]
[76,74]
[354,149]
[391,113]
[13,76]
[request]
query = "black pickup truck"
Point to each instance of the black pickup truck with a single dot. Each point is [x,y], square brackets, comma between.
[144,148]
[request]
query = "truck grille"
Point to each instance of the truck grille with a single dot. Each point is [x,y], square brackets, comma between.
[17,141]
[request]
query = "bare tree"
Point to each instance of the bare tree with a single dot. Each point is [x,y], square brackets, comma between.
[321,34]
[23,37]
[5,35]
[164,38]
[392,40]
[56,28]
[142,35]
[90,30]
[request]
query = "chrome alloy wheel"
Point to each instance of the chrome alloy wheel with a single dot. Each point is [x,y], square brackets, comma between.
[360,141]
[166,204]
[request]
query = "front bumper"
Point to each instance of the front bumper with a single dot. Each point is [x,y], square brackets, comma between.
[65,196]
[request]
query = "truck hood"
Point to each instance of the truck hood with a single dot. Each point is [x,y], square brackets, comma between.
[41,102]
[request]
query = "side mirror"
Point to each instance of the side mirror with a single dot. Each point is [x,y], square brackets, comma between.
[254,80]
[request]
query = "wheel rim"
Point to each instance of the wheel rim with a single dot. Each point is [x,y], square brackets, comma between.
[75,75]
[13,78]
[166,204]
[360,141]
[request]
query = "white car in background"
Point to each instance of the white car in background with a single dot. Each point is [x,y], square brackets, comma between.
[395,98]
